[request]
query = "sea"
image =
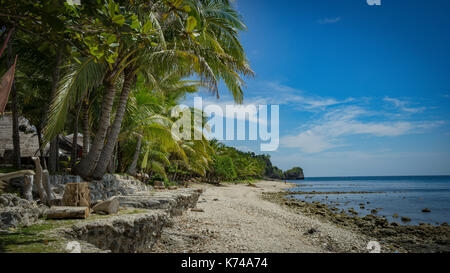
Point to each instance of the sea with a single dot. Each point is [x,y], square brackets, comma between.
[392,196]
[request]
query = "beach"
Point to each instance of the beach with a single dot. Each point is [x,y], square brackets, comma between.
[236,218]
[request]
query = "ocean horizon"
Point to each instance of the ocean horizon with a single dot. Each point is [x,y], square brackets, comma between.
[422,199]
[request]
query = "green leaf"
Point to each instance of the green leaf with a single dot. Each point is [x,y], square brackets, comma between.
[191,24]
[145,160]
[110,38]
[187,9]
[135,22]
[119,19]
[147,27]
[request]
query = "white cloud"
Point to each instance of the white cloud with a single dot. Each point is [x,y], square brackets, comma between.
[328,132]
[329,20]
[402,105]
[283,94]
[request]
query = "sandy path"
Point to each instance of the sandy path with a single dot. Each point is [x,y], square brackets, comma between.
[237,219]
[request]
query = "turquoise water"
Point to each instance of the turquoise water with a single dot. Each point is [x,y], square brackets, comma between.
[402,195]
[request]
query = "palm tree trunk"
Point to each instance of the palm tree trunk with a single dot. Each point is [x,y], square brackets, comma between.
[88,163]
[85,128]
[74,152]
[15,121]
[54,144]
[132,168]
[112,164]
[14,110]
[108,149]
[41,148]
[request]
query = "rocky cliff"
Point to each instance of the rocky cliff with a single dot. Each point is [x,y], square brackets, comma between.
[294,174]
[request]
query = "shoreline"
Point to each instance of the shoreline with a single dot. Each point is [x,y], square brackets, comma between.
[242,218]
[397,237]
[236,218]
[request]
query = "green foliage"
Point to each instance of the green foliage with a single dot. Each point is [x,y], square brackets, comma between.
[224,168]
[160,46]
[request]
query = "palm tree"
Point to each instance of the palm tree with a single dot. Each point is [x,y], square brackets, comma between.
[201,40]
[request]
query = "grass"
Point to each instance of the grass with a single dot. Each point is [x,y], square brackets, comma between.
[32,239]
[38,238]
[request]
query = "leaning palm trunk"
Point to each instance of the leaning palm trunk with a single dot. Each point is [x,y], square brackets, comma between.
[132,168]
[54,143]
[108,149]
[14,110]
[85,128]
[88,163]
[74,152]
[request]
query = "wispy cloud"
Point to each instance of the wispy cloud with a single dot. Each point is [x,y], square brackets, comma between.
[329,20]
[328,132]
[402,105]
[287,95]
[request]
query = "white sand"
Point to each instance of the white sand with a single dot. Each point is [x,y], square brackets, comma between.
[237,219]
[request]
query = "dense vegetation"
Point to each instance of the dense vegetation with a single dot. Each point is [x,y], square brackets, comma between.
[113,70]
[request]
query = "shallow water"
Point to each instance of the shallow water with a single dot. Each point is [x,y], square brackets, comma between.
[405,196]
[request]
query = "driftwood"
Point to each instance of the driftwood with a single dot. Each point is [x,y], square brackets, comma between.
[76,195]
[38,180]
[28,176]
[46,185]
[8,176]
[28,187]
[110,206]
[39,177]
[67,212]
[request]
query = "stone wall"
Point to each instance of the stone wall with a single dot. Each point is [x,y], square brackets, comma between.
[111,185]
[174,202]
[135,232]
[122,234]
[125,233]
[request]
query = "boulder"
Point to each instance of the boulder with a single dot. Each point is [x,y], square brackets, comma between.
[110,206]
[17,212]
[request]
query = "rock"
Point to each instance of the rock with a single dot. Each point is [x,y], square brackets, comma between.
[110,206]
[294,174]
[110,185]
[426,210]
[173,188]
[17,212]
[405,219]
[311,231]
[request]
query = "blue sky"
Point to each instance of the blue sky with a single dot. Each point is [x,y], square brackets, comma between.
[363,90]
